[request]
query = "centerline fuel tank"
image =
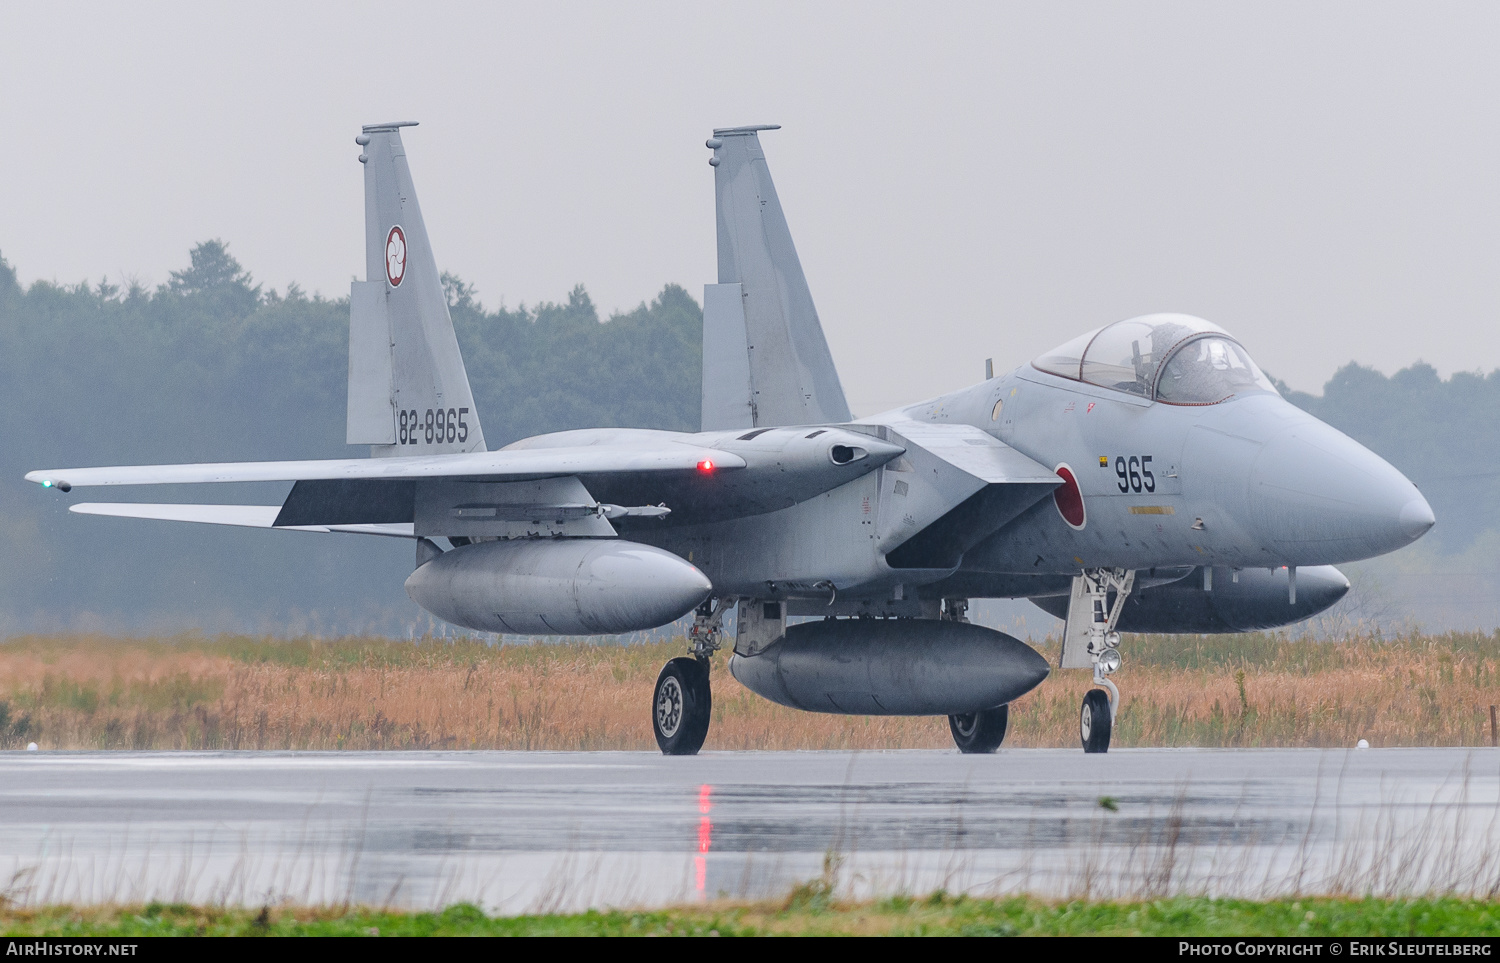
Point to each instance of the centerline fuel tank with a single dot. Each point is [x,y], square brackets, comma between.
[891,667]
[558,586]
[1245,601]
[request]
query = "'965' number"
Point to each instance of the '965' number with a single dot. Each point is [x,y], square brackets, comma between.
[1135,473]
[437,426]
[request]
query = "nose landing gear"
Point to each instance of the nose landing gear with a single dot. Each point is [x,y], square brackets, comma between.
[1090,641]
[682,702]
[1096,721]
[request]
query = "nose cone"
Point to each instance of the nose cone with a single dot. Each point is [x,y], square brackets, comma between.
[1417,518]
[1319,496]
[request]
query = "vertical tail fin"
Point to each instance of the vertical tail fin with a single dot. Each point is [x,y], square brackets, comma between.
[408,391]
[761,310]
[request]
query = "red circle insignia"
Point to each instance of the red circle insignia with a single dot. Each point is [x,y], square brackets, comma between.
[1069,498]
[395,256]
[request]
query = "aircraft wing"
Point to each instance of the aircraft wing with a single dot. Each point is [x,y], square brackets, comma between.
[243,516]
[504,465]
[565,484]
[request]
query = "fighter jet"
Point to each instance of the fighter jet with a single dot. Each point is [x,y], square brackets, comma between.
[1143,477]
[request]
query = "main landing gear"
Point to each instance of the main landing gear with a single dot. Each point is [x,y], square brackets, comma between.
[1091,628]
[978,732]
[682,703]
[681,706]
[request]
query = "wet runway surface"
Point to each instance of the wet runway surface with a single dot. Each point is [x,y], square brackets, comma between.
[529,831]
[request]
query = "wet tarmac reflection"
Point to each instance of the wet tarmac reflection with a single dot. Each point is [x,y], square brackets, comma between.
[549,830]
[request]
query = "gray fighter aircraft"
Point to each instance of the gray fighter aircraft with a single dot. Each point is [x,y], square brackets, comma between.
[1145,476]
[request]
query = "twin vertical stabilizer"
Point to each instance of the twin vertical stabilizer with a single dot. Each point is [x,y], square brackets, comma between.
[765,360]
[408,391]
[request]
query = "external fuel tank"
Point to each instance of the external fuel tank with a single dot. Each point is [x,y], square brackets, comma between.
[891,667]
[1227,601]
[558,586]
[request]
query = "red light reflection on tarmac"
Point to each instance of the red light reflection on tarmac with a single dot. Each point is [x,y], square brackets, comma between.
[705,834]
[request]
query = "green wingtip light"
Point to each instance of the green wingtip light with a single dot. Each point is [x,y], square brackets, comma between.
[47,483]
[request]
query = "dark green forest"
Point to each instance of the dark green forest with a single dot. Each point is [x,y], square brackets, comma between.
[211,366]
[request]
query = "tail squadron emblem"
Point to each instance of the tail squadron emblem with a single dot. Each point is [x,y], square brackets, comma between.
[395,256]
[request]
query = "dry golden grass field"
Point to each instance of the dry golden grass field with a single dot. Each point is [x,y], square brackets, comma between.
[236,692]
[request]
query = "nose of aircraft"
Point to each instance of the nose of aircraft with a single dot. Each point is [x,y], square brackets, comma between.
[1416,518]
[1319,496]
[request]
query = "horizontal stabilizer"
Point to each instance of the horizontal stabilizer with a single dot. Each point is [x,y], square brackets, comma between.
[243,516]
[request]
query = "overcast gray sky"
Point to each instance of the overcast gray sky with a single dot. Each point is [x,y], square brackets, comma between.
[962,180]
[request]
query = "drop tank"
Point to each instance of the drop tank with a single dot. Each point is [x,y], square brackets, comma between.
[891,667]
[558,586]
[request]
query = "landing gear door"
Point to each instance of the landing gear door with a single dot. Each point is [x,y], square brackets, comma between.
[758,623]
[1075,649]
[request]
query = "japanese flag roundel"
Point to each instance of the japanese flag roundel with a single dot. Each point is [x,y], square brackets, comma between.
[1069,498]
[395,256]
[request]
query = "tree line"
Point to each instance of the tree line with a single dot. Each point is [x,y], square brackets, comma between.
[211,366]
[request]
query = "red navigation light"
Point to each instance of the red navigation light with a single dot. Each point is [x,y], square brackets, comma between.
[706,466]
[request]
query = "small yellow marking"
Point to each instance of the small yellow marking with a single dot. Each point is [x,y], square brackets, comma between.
[1152,510]
[1103,461]
[690,556]
[1199,548]
[1077,559]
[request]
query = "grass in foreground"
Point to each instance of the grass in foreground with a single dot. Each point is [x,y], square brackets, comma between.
[806,913]
[239,692]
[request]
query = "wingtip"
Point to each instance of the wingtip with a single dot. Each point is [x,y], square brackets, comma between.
[48,479]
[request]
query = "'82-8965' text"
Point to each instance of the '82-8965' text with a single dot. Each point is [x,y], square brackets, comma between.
[437,426]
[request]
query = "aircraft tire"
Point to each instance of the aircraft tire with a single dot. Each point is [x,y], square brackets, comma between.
[1094,721]
[681,705]
[981,731]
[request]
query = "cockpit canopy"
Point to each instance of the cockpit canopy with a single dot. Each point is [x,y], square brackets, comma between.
[1173,358]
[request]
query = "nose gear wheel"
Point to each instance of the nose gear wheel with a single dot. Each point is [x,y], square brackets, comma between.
[1096,721]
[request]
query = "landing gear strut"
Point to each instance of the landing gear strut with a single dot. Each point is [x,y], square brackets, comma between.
[1090,611]
[682,703]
